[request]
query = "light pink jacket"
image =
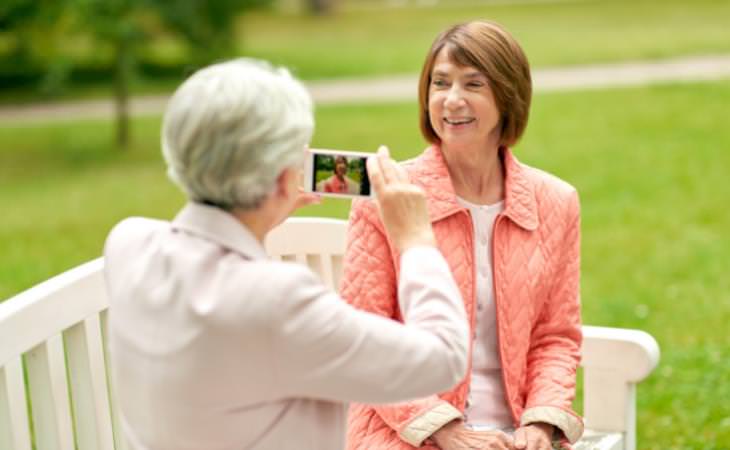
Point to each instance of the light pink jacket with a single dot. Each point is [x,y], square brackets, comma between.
[536,269]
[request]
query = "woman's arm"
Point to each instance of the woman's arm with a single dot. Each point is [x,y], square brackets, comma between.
[554,353]
[369,284]
[327,349]
[324,348]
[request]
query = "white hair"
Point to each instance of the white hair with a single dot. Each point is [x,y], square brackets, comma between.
[231,129]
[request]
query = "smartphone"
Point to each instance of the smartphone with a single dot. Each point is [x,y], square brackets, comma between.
[337,173]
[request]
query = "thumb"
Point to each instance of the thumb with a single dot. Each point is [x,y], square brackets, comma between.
[520,438]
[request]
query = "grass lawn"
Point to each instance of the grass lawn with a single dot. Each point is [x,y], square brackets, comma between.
[650,164]
[357,41]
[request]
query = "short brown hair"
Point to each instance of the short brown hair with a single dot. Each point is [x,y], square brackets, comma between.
[489,48]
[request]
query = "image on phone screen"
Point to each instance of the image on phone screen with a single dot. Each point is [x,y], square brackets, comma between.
[339,174]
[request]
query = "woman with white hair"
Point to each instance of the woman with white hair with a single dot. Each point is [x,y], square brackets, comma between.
[214,346]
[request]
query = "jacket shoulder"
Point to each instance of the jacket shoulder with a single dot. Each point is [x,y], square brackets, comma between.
[547,183]
[131,230]
[556,199]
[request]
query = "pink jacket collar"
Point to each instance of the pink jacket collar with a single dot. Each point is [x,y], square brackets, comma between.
[430,172]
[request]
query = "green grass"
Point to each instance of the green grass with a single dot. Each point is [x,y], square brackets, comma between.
[371,41]
[374,41]
[650,164]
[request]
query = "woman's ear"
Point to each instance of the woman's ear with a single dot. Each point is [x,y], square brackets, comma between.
[287,183]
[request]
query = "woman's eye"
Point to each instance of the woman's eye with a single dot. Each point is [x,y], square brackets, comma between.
[438,83]
[475,84]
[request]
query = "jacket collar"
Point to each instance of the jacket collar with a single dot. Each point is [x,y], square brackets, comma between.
[430,172]
[216,225]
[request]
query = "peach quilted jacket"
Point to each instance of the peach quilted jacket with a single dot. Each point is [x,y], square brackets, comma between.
[536,264]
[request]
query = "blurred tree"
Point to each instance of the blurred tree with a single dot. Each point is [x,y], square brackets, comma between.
[31,31]
[320,7]
[206,26]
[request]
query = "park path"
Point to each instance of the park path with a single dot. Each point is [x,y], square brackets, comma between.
[404,87]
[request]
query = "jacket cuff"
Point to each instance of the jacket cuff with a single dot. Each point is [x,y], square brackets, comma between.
[423,426]
[570,425]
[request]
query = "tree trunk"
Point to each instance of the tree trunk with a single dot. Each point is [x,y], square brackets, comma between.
[122,75]
[320,7]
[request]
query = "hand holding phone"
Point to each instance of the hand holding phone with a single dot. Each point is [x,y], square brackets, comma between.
[402,204]
[347,174]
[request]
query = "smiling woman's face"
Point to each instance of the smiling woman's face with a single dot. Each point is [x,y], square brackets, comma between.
[340,167]
[461,105]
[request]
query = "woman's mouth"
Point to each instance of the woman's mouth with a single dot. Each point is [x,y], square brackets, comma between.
[458,121]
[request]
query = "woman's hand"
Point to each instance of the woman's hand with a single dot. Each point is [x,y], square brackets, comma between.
[454,436]
[303,199]
[306,199]
[402,205]
[536,436]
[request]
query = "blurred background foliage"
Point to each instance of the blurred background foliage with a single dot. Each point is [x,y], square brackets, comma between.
[44,42]
[650,162]
[59,49]
[40,39]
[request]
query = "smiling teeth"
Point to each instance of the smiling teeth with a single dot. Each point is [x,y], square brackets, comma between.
[457,122]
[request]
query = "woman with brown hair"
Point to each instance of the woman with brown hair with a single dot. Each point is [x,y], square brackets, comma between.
[511,236]
[339,182]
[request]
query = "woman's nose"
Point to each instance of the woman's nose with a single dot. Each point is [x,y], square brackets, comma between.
[454,97]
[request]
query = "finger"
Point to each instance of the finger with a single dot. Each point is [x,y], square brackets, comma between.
[309,198]
[520,438]
[388,167]
[383,150]
[400,173]
[374,173]
[394,170]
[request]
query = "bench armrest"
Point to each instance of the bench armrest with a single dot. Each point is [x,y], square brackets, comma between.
[614,360]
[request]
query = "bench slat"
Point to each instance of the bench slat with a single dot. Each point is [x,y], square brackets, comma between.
[119,441]
[14,429]
[86,367]
[337,270]
[324,268]
[49,395]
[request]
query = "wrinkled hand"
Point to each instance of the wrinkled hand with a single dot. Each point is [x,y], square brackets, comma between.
[536,436]
[303,199]
[402,204]
[306,199]
[454,436]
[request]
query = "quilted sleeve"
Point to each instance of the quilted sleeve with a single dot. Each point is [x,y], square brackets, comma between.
[554,353]
[370,283]
[369,275]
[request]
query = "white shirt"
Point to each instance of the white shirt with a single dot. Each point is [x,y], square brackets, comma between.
[487,404]
[215,347]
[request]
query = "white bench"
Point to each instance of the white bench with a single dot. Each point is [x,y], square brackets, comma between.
[55,392]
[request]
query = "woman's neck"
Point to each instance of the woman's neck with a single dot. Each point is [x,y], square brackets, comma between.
[477,175]
[259,221]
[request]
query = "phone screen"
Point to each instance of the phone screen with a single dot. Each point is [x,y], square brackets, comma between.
[343,174]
